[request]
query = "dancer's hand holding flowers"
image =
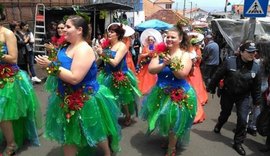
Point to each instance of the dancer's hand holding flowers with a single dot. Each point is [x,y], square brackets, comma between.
[52,67]
[167,59]
[103,50]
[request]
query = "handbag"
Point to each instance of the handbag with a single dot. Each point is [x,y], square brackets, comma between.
[28,47]
[263,122]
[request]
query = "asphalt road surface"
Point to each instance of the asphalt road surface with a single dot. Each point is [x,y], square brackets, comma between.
[203,141]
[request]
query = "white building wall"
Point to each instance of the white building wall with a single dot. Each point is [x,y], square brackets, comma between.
[135,18]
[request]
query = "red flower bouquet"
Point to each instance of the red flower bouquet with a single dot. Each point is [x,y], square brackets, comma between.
[6,74]
[119,79]
[161,50]
[58,44]
[74,102]
[105,45]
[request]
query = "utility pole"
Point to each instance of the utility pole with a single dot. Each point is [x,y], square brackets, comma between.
[184,9]
[190,10]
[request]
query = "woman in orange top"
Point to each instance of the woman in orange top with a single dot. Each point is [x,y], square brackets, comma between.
[146,80]
[130,63]
[195,79]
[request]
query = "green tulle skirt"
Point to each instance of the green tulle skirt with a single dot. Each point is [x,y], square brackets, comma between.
[94,123]
[125,93]
[19,104]
[165,116]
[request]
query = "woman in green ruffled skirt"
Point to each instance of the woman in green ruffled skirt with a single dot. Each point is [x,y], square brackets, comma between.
[81,113]
[170,107]
[116,75]
[20,114]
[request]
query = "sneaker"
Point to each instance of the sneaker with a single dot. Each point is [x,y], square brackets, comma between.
[35,79]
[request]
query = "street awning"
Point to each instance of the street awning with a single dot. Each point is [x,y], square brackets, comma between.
[109,6]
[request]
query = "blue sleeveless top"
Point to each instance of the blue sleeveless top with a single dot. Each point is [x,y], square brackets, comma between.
[166,79]
[89,80]
[122,66]
[5,51]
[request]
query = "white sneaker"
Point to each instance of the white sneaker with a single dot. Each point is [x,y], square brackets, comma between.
[35,79]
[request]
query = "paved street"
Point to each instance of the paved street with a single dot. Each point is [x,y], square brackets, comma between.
[203,141]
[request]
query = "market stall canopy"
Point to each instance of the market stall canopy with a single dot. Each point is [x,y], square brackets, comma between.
[155,24]
[236,31]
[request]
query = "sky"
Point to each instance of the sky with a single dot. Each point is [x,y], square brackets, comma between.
[207,5]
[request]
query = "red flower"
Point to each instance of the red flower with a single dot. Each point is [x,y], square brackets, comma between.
[7,71]
[74,102]
[160,48]
[177,95]
[68,116]
[119,79]
[58,42]
[105,44]
[61,41]
[119,76]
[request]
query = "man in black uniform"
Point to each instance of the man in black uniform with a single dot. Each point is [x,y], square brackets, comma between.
[241,79]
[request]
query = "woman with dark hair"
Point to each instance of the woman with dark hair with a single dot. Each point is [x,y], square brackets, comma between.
[116,74]
[29,40]
[170,107]
[19,105]
[58,39]
[22,57]
[80,112]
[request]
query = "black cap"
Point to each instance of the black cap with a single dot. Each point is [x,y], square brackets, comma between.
[249,47]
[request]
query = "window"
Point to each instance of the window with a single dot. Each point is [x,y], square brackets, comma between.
[168,6]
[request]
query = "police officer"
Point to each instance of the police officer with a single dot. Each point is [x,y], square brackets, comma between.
[241,79]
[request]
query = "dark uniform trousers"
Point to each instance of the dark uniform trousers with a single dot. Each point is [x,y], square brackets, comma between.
[242,104]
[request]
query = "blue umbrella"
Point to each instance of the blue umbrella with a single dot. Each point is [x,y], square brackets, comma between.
[153,23]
